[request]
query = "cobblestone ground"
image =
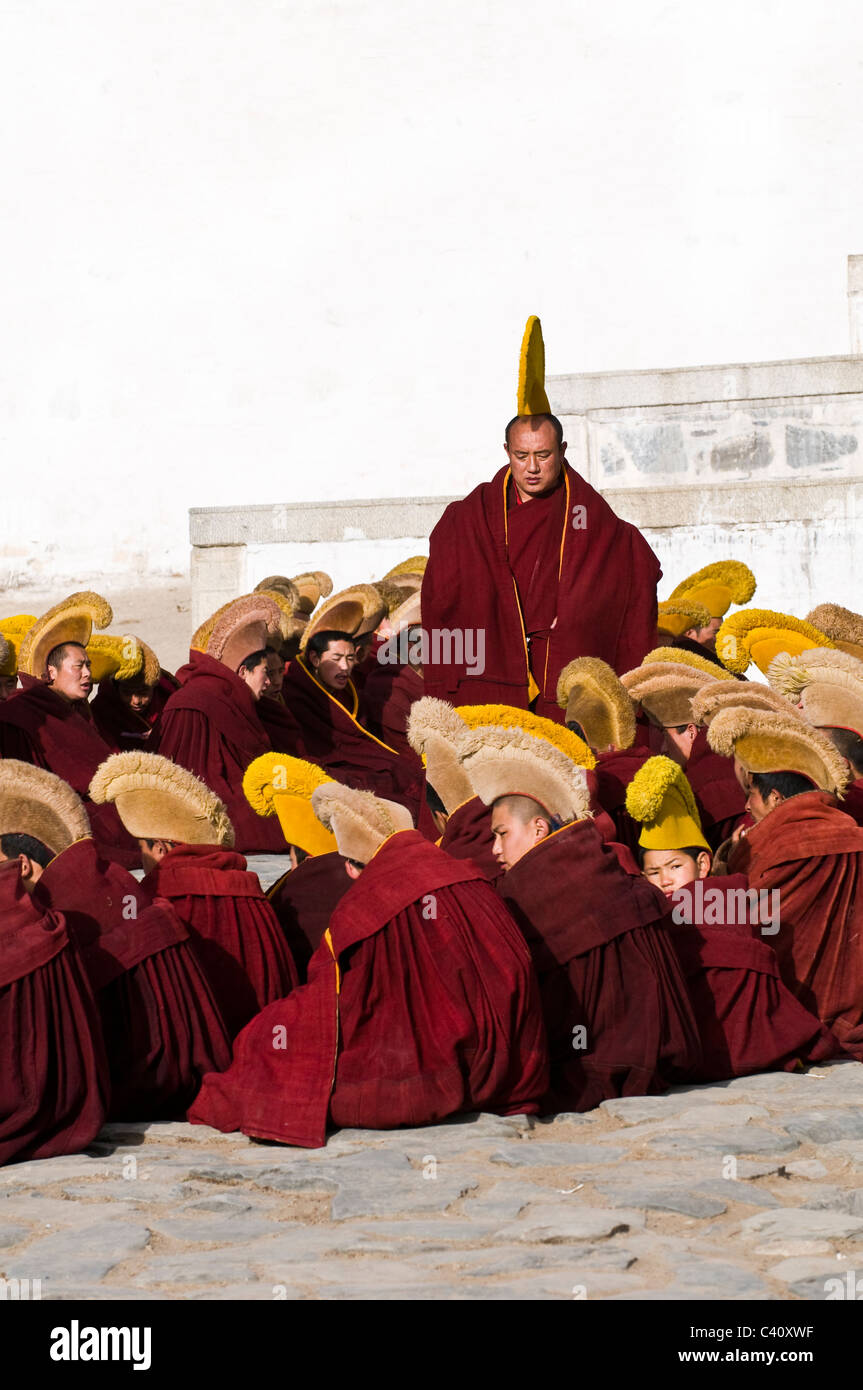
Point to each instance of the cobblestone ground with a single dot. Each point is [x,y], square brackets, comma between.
[745,1189]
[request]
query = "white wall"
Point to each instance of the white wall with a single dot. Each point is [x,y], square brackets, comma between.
[269,250]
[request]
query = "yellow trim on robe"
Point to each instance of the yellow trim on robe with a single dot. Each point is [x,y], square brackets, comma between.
[352,717]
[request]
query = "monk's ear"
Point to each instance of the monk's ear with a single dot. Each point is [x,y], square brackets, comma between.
[702,864]
[563,448]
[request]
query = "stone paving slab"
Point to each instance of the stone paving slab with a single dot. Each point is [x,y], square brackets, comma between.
[745,1189]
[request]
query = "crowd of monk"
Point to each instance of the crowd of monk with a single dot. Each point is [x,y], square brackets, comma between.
[600,863]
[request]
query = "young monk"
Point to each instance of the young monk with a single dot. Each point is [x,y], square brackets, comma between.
[614,998]
[748,1020]
[186,841]
[132,691]
[420,1003]
[54,1076]
[806,848]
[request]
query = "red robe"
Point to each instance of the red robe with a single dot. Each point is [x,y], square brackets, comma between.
[333,737]
[435,1013]
[54,1073]
[468,836]
[748,1019]
[234,929]
[601,943]
[812,853]
[211,726]
[385,705]
[577,583]
[123,728]
[608,783]
[281,727]
[719,796]
[304,899]
[852,802]
[38,726]
[162,1027]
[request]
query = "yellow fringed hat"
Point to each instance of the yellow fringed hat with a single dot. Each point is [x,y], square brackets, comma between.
[72,620]
[436,733]
[293,622]
[679,656]
[122,658]
[357,611]
[717,586]
[510,762]
[360,821]
[508,717]
[35,802]
[278,785]
[244,627]
[13,630]
[667,681]
[413,568]
[594,698]
[677,615]
[532,399]
[157,800]
[764,741]
[720,695]
[842,626]
[660,796]
[758,635]
[281,585]
[312,586]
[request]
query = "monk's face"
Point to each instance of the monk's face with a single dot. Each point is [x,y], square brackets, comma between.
[137,698]
[333,669]
[677,743]
[8,686]
[706,635]
[276,672]
[760,806]
[72,678]
[535,457]
[512,838]
[672,868]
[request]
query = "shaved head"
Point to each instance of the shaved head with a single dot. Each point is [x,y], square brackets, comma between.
[522,808]
[518,823]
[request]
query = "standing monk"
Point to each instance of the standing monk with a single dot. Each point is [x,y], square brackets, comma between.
[531,570]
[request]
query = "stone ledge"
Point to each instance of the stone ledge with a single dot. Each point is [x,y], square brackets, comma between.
[281,522]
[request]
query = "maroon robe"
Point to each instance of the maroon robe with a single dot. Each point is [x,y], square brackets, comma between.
[304,899]
[468,836]
[281,727]
[211,726]
[424,1007]
[601,942]
[577,583]
[608,783]
[39,726]
[852,801]
[719,796]
[123,728]
[748,1019]
[54,1072]
[161,1024]
[812,853]
[234,929]
[333,737]
[385,705]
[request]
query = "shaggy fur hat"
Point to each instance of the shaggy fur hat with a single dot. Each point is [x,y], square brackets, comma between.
[757,634]
[676,615]
[72,620]
[764,741]
[415,566]
[666,688]
[738,695]
[245,626]
[122,658]
[842,626]
[660,796]
[35,802]
[358,611]
[436,732]
[510,762]
[594,698]
[829,684]
[360,821]
[312,587]
[717,586]
[13,631]
[509,717]
[156,800]
[277,785]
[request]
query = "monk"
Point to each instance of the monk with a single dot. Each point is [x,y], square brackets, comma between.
[131,696]
[211,725]
[804,847]
[748,1019]
[614,998]
[186,837]
[420,1001]
[54,1077]
[436,733]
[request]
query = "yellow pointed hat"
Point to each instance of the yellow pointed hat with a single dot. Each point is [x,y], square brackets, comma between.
[72,620]
[13,630]
[758,635]
[532,399]
[717,586]
[278,785]
[660,796]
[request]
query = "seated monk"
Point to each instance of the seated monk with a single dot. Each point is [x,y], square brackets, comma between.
[614,997]
[131,694]
[804,846]
[160,1022]
[185,838]
[748,1019]
[693,615]
[598,709]
[54,1077]
[211,725]
[49,722]
[828,688]
[664,686]
[395,681]
[321,696]
[436,732]
[304,899]
[11,632]
[420,1004]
